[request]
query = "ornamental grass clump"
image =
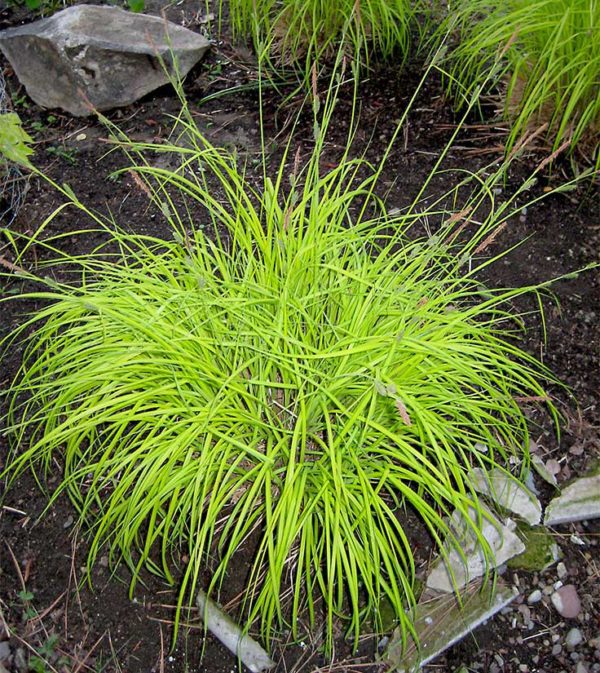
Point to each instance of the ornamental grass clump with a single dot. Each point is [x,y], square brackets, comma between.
[294,372]
[301,33]
[545,57]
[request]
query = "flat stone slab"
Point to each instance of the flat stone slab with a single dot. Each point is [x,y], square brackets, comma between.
[97,57]
[579,501]
[508,493]
[441,621]
[455,570]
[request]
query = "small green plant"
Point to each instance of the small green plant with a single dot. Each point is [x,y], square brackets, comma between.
[15,151]
[41,125]
[14,142]
[295,370]
[302,33]
[136,5]
[545,57]
[69,154]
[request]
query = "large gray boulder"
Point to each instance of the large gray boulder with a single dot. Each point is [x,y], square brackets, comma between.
[98,56]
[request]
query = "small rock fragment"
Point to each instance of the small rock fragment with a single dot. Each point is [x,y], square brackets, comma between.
[20,661]
[540,467]
[440,622]
[561,570]
[4,650]
[580,501]
[456,570]
[573,638]
[507,492]
[566,601]
[534,597]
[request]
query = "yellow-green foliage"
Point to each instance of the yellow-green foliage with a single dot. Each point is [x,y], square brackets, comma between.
[304,32]
[296,369]
[545,57]
[14,140]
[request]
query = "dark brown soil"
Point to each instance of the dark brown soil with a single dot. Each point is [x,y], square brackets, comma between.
[42,555]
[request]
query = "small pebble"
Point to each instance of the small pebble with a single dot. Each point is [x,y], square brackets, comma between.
[566,601]
[557,649]
[4,650]
[20,661]
[561,570]
[68,522]
[581,667]
[573,638]
[525,611]
[534,597]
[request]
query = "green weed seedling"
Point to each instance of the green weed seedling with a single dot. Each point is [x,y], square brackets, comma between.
[69,154]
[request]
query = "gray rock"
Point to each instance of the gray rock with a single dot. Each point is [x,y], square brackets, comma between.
[106,55]
[566,601]
[579,501]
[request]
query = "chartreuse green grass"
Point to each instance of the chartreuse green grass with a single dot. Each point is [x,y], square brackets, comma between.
[549,69]
[301,33]
[293,372]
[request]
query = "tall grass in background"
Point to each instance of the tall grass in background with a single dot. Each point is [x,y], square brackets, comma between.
[548,74]
[301,33]
[294,372]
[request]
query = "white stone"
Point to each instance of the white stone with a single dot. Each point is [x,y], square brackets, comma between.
[107,55]
[579,501]
[454,572]
[534,597]
[508,493]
